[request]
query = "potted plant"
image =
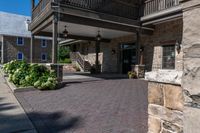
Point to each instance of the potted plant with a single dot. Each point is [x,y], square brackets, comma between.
[132,75]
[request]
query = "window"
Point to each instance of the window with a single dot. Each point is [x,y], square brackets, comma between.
[43,57]
[168,57]
[20,41]
[20,56]
[44,43]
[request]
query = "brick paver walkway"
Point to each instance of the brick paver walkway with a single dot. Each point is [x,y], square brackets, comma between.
[105,106]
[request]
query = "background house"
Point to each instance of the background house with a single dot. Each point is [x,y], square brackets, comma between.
[15,40]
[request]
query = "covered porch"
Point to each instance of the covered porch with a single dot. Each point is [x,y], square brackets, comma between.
[61,22]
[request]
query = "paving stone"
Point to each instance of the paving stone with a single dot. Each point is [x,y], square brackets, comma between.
[103,106]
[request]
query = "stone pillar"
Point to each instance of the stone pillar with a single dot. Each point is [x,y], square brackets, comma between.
[165,102]
[55,39]
[191,58]
[31,48]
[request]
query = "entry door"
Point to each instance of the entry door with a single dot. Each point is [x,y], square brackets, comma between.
[128,57]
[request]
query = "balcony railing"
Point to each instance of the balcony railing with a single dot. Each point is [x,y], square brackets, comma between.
[111,7]
[39,8]
[153,6]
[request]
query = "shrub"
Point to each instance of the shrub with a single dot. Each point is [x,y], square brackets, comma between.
[132,74]
[23,75]
[67,61]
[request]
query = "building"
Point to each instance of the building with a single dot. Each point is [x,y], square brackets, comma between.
[15,40]
[161,34]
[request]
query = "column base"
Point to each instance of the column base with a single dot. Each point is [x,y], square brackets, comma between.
[58,70]
[140,70]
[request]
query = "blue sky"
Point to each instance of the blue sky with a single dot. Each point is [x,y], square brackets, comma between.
[22,7]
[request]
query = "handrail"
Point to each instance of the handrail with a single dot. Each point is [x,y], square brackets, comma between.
[153,6]
[111,7]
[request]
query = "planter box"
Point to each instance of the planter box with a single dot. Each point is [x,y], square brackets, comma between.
[140,70]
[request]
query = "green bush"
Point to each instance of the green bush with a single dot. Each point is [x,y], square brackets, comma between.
[23,75]
[67,61]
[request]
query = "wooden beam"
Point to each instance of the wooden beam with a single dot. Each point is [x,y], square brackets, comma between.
[43,25]
[49,34]
[31,48]
[32,4]
[103,24]
[55,39]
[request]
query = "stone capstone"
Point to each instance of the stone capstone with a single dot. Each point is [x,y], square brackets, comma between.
[165,76]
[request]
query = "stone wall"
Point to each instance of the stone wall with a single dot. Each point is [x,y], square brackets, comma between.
[165,108]
[191,76]
[11,49]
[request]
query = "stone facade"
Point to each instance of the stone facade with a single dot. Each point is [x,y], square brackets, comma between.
[165,108]
[191,76]
[11,49]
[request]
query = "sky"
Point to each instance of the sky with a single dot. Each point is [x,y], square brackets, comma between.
[22,7]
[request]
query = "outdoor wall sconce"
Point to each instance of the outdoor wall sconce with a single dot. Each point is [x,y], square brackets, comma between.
[178,46]
[113,51]
[141,49]
[98,37]
[65,32]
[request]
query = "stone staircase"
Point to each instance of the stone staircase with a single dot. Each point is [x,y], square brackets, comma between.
[81,61]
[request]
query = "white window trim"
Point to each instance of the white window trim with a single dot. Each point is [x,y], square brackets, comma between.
[45,55]
[22,56]
[43,46]
[22,41]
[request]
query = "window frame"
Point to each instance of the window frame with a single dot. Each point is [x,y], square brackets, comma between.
[20,44]
[42,43]
[42,56]
[22,54]
[174,66]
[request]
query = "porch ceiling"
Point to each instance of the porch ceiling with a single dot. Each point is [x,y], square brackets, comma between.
[87,31]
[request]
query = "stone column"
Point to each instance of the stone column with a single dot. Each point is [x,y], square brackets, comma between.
[191,57]
[31,48]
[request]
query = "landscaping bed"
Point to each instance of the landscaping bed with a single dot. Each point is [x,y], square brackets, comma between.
[22,75]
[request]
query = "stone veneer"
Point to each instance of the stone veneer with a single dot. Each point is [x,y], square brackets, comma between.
[165,100]
[11,49]
[191,76]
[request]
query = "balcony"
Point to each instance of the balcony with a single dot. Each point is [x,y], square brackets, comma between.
[160,10]
[111,7]
[154,6]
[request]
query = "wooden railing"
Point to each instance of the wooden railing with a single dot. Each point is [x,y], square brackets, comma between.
[153,6]
[111,7]
[39,8]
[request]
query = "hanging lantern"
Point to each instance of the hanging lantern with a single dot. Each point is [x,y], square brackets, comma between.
[98,37]
[65,32]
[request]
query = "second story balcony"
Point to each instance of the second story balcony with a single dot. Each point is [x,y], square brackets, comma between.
[118,8]
[153,9]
